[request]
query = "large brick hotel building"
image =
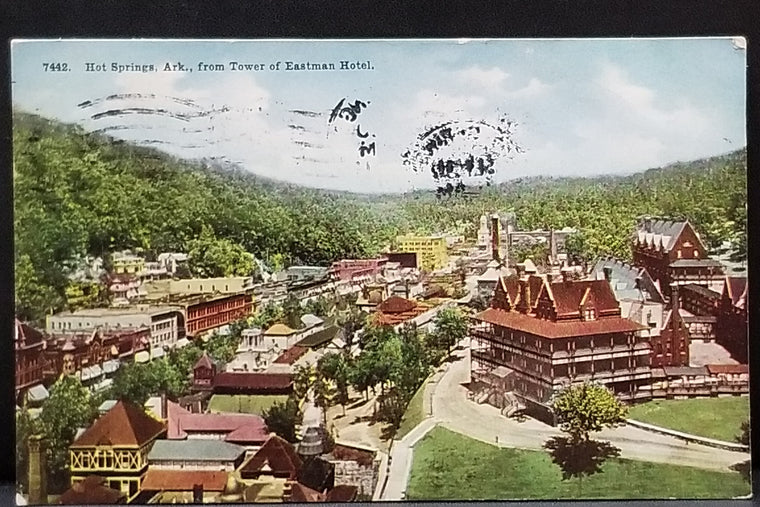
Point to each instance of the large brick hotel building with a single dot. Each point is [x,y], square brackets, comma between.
[541,335]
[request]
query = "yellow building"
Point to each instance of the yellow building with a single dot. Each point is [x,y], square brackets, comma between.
[116,448]
[125,263]
[431,250]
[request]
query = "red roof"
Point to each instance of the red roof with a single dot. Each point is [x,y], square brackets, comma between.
[304,494]
[551,329]
[124,425]
[278,455]
[90,491]
[254,381]
[204,361]
[731,369]
[27,334]
[396,304]
[184,423]
[291,355]
[248,434]
[569,296]
[183,480]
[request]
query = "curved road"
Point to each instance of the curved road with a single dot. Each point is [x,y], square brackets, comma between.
[452,410]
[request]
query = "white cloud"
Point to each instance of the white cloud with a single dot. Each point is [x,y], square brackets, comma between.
[482,78]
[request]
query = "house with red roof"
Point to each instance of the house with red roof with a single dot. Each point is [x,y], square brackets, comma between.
[541,335]
[116,448]
[92,491]
[247,430]
[397,310]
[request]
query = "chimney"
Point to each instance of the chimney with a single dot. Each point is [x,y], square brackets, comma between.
[675,298]
[648,224]
[197,493]
[520,268]
[164,406]
[37,470]
[607,273]
[495,238]
[552,246]
[566,275]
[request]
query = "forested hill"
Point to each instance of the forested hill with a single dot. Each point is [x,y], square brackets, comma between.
[78,194]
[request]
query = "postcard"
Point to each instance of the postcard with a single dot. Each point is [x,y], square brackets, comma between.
[265,271]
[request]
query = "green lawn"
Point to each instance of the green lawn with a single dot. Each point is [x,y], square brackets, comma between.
[244,404]
[450,466]
[414,413]
[718,418]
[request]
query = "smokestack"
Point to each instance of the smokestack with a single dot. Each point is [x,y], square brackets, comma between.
[607,273]
[495,238]
[37,470]
[552,246]
[566,275]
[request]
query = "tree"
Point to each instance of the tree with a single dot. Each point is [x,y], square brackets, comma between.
[136,382]
[350,322]
[319,306]
[303,378]
[26,426]
[336,367]
[450,328]
[292,311]
[211,257]
[269,315]
[323,394]
[743,437]
[587,408]
[282,417]
[222,347]
[68,408]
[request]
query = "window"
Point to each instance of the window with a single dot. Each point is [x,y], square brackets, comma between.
[680,254]
[696,254]
[590,314]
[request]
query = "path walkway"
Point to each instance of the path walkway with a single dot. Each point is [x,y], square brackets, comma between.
[484,422]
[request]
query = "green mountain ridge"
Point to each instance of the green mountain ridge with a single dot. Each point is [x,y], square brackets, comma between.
[80,194]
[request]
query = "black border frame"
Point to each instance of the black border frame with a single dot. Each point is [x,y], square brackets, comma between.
[365,19]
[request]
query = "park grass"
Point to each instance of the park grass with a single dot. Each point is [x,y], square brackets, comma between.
[718,418]
[244,403]
[450,466]
[414,413]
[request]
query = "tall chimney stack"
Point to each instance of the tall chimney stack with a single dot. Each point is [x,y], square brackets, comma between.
[37,470]
[607,273]
[495,238]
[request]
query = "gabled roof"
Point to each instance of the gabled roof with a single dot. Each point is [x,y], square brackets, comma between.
[204,361]
[213,423]
[731,369]
[277,456]
[279,330]
[194,450]
[91,491]
[623,278]
[569,296]
[396,304]
[291,355]
[550,329]
[27,335]
[660,234]
[317,473]
[320,337]
[183,480]
[342,493]
[248,434]
[124,425]
[304,494]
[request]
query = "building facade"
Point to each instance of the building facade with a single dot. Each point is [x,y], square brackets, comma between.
[431,250]
[29,354]
[672,252]
[164,322]
[524,349]
[349,269]
[731,321]
[116,448]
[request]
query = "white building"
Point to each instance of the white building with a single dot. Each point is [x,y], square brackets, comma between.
[164,321]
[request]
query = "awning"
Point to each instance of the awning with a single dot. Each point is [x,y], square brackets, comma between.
[111,366]
[85,374]
[142,357]
[157,352]
[38,393]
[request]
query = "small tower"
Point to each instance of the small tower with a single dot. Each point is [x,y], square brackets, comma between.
[311,444]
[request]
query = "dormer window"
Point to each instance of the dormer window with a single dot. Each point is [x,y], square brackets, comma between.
[696,254]
[589,314]
[680,254]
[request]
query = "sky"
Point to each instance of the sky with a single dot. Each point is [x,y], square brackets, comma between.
[560,107]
